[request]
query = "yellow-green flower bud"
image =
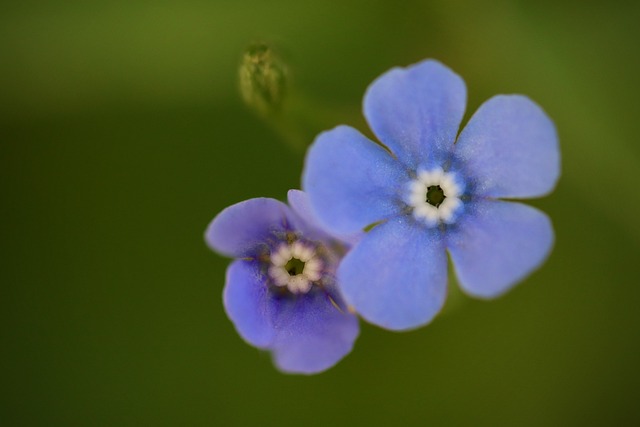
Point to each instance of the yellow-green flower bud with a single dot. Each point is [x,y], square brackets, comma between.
[263,78]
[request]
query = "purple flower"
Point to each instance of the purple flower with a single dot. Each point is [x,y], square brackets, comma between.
[281,291]
[426,195]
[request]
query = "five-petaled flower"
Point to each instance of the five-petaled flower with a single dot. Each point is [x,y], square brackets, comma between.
[429,192]
[280,292]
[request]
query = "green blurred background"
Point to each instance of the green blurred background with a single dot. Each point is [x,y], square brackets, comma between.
[122,134]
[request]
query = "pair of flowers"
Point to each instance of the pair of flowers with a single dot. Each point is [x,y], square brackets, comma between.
[303,271]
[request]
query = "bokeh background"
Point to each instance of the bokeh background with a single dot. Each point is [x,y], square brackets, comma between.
[122,134]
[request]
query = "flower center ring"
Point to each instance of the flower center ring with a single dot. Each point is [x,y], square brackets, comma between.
[295,266]
[435,196]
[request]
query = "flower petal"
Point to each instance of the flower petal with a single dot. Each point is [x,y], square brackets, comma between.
[246,301]
[510,148]
[240,228]
[305,221]
[313,334]
[498,244]
[351,181]
[309,224]
[416,111]
[396,277]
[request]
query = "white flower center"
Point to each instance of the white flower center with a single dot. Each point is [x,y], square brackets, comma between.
[435,196]
[295,266]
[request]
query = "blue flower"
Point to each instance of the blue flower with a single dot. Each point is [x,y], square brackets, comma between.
[426,195]
[281,292]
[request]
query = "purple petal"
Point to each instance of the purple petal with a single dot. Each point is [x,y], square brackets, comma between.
[313,334]
[301,205]
[498,244]
[246,301]
[510,148]
[396,277]
[351,181]
[416,111]
[239,229]
[304,220]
